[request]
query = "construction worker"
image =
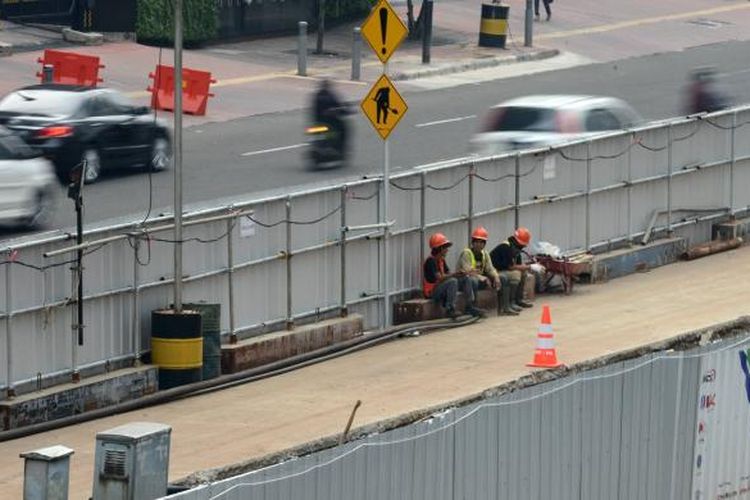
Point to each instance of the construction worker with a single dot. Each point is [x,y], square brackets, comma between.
[506,257]
[438,283]
[475,270]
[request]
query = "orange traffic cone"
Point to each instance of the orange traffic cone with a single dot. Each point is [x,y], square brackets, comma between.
[545,355]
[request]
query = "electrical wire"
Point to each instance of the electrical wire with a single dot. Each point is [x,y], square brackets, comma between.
[294,222]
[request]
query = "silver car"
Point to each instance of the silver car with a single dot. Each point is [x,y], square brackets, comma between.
[543,120]
[27,183]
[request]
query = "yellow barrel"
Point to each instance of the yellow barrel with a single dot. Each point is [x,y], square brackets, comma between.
[494,26]
[177,347]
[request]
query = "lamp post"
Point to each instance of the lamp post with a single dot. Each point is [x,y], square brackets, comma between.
[178,156]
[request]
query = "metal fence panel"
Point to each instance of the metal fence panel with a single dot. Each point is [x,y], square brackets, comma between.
[454,197]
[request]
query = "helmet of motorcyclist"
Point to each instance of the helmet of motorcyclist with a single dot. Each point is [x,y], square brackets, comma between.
[522,236]
[480,233]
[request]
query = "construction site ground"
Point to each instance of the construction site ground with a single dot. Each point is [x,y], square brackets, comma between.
[409,374]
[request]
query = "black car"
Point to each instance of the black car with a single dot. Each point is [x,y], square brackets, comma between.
[97,127]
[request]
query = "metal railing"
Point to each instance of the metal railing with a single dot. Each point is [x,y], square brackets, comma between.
[276,261]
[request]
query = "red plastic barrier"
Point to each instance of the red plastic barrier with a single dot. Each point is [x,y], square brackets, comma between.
[195,89]
[71,68]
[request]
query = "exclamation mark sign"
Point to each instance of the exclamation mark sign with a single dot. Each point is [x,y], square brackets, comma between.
[383,27]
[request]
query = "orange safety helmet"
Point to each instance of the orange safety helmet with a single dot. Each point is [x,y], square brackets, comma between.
[522,236]
[480,233]
[438,240]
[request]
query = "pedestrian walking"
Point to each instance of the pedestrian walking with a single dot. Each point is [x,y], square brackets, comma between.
[546,8]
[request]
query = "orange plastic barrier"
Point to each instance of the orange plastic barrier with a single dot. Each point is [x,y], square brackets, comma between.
[545,355]
[195,89]
[71,68]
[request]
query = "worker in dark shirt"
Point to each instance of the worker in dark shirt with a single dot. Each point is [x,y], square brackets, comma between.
[506,257]
[438,283]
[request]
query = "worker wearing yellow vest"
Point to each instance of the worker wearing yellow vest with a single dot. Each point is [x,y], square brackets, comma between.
[475,270]
[506,257]
[438,283]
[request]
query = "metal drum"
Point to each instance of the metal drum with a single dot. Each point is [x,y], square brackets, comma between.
[494,26]
[177,347]
[211,333]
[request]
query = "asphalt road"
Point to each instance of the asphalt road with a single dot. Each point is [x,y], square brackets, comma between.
[240,158]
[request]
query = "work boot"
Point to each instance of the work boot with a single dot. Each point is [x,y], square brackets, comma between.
[518,298]
[475,311]
[512,294]
[503,306]
[450,311]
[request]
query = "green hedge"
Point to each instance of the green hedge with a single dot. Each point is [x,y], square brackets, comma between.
[346,10]
[155,22]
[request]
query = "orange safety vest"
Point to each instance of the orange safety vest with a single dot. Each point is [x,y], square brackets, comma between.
[427,287]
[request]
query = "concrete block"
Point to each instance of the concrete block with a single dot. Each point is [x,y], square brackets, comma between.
[6,49]
[409,311]
[265,349]
[636,259]
[71,399]
[73,36]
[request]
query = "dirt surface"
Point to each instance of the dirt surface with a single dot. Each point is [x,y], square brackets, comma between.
[413,373]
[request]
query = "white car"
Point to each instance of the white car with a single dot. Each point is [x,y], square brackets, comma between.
[27,183]
[543,120]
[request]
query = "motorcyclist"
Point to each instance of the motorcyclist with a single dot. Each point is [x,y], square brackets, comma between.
[702,95]
[329,110]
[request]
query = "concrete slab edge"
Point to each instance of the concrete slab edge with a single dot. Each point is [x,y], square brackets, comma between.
[685,341]
[474,65]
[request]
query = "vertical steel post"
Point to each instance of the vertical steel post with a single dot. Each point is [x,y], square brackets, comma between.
[321,26]
[588,195]
[630,189]
[289,313]
[178,155]
[10,391]
[75,376]
[356,52]
[302,49]
[732,163]
[669,180]
[386,234]
[470,208]
[528,25]
[230,279]
[517,207]
[422,214]
[342,243]
[136,303]
[427,30]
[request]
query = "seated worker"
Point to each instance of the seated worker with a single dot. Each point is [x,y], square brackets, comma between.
[506,257]
[438,283]
[475,270]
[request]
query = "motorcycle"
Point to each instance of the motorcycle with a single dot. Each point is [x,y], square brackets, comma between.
[326,149]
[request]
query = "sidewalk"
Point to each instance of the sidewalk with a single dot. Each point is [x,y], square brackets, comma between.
[407,375]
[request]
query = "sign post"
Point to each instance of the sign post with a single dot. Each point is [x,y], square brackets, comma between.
[384,107]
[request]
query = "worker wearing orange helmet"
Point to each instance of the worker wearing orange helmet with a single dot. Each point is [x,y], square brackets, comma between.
[476,271]
[506,257]
[438,283]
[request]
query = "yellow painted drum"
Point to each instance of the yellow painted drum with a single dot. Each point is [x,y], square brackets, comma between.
[177,347]
[494,26]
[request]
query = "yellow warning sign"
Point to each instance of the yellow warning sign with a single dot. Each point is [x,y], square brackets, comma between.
[384,30]
[384,106]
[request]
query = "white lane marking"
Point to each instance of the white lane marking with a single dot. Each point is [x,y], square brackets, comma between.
[273,150]
[447,120]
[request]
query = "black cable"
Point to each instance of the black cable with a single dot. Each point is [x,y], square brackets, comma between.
[366,198]
[293,222]
[197,239]
[57,264]
[691,134]
[597,157]
[723,127]
[150,169]
[430,186]
[508,176]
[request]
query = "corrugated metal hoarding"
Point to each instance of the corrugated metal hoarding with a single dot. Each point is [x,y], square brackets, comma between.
[669,425]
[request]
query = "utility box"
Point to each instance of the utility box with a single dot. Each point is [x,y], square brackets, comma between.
[46,472]
[132,462]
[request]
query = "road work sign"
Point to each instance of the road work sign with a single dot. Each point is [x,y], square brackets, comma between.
[384,30]
[384,106]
